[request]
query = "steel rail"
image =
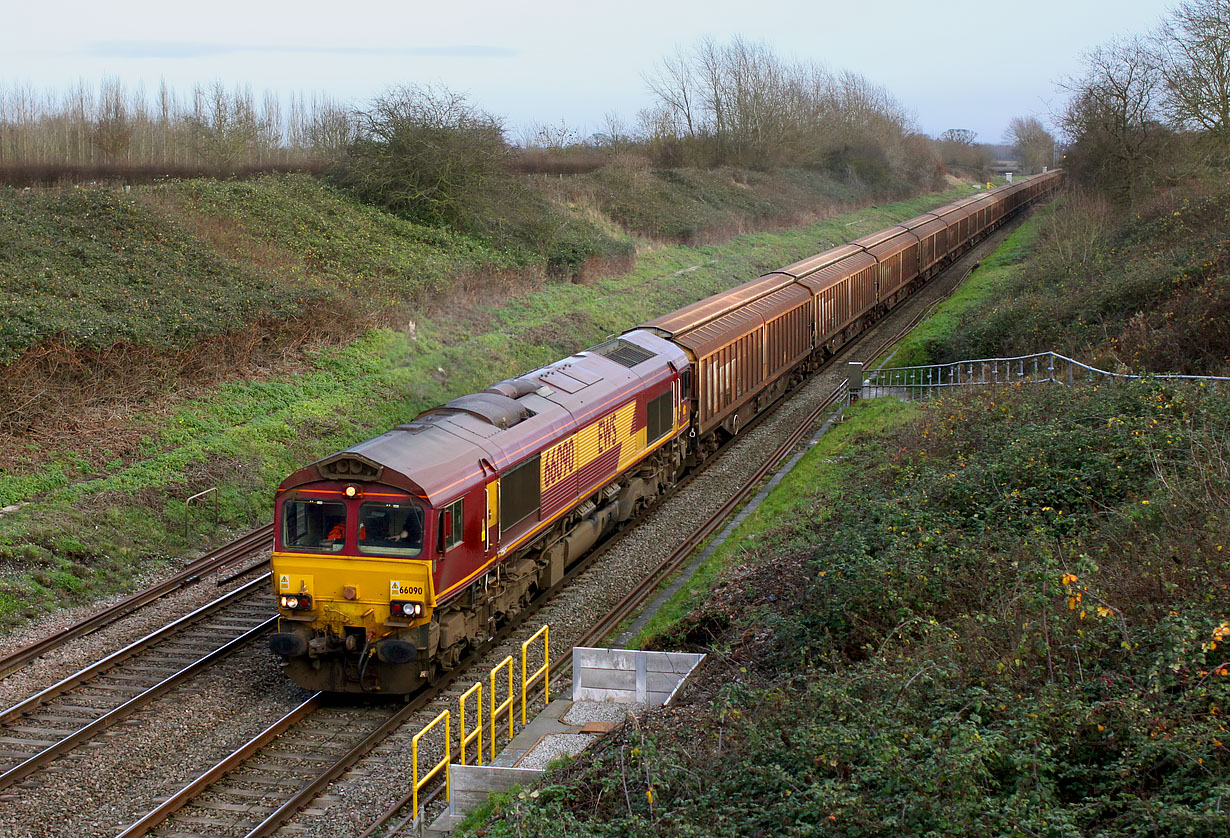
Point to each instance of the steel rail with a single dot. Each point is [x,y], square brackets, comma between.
[49,754]
[190,575]
[336,769]
[185,795]
[88,673]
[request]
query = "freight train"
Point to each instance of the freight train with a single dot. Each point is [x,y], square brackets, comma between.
[394,557]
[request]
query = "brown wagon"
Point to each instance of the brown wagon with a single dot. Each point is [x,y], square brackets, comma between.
[896,250]
[933,245]
[741,354]
[842,282]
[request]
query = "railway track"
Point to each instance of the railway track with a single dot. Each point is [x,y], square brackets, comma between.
[649,584]
[212,562]
[42,728]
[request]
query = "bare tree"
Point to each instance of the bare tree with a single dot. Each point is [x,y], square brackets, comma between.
[113,127]
[1034,145]
[1111,120]
[739,103]
[222,127]
[959,136]
[1194,44]
[615,135]
[674,83]
[557,135]
[331,128]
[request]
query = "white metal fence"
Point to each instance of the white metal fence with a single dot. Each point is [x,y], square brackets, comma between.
[1045,367]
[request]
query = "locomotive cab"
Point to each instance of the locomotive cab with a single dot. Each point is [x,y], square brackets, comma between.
[353,583]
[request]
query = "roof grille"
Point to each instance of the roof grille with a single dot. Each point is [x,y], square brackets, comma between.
[623,352]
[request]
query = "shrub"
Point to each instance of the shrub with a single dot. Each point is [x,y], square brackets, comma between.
[425,153]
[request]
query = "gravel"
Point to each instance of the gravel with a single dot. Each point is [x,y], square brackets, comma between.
[125,772]
[79,653]
[584,712]
[556,745]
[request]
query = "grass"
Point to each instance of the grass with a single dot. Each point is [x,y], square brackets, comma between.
[923,345]
[244,436]
[169,264]
[820,467]
[684,204]
[91,267]
[1143,292]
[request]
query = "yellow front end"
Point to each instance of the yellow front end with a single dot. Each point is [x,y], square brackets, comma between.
[350,625]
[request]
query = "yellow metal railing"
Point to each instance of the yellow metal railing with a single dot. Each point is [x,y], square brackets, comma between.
[442,765]
[507,704]
[467,736]
[542,672]
[477,733]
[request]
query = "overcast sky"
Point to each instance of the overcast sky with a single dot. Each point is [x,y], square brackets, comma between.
[959,63]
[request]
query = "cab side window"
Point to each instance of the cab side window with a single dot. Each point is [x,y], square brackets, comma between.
[450,529]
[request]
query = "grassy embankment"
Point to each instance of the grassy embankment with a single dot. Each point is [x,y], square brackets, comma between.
[106,503]
[1143,292]
[1001,614]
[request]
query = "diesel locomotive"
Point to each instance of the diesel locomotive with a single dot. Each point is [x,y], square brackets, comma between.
[395,556]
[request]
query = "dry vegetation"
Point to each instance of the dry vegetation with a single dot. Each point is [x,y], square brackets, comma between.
[1000,614]
[124,133]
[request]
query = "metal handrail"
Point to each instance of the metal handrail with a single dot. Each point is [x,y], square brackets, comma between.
[477,733]
[1041,367]
[442,765]
[543,671]
[507,704]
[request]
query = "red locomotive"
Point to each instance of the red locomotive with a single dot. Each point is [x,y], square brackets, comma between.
[395,556]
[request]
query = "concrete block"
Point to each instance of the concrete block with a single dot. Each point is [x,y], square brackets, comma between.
[473,784]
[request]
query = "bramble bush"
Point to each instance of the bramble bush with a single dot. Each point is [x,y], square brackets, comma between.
[1009,618]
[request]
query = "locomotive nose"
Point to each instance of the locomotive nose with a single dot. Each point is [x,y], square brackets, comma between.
[287,644]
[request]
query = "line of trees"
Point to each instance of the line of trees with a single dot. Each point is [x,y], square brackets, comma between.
[735,103]
[740,104]
[213,127]
[1154,105]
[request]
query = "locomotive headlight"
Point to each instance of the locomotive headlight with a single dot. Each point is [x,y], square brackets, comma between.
[300,602]
[406,610]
